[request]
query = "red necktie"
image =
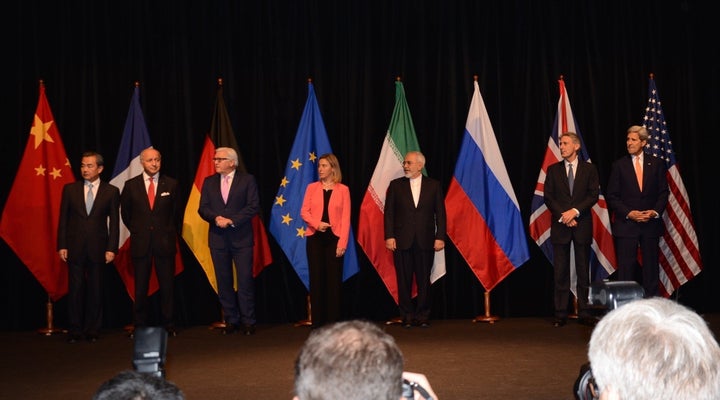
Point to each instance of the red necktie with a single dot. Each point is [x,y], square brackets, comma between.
[151,192]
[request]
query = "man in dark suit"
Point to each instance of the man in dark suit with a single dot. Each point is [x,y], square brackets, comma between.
[153,236]
[88,234]
[415,228]
[637,200]
[228,202]
[571,223]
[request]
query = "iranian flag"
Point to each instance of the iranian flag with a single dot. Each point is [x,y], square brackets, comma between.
[399,139]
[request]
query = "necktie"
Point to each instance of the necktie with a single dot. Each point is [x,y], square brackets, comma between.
[89,198]
[571,177]
[638,172]
[151,192]
[225,187]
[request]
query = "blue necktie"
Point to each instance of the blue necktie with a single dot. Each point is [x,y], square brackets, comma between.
[571,178]
[89,198]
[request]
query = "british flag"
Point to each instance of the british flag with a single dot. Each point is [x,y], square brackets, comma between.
[602,259]
[679,249]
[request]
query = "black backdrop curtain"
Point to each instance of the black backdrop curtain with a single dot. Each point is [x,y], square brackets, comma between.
[89,54]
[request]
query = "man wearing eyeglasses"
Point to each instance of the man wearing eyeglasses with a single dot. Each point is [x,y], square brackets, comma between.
[228,202]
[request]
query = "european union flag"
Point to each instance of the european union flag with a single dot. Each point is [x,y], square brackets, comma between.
[286,225]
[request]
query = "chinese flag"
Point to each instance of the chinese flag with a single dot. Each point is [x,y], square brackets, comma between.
[30,217]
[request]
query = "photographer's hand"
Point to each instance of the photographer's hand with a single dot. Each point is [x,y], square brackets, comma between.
[421,380]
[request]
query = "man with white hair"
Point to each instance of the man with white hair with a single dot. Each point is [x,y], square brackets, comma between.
[654,349]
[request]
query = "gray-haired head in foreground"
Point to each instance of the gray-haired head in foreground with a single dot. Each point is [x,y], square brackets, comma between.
[350,360]
[655,349]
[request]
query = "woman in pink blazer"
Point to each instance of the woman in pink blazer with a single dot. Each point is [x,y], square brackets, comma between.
[326,211]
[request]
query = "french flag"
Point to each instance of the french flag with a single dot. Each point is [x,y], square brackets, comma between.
[134,140]
[483,216]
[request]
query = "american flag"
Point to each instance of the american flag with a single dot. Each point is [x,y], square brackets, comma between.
[679,249]
[602,257]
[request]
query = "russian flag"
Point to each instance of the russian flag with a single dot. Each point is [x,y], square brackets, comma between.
[483,216]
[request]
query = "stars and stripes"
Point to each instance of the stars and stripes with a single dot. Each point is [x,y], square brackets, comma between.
[679,250]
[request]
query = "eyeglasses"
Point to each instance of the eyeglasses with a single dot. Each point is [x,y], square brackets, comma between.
[218,159]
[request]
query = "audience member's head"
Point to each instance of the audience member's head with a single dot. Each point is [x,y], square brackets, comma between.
[349,360]
[132,385]
[654,349]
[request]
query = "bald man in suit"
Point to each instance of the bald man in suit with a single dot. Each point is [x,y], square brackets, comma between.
[637,211]
[153,237]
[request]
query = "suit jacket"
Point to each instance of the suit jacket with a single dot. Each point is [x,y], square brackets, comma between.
[242,205]
[151,229]
[624,195]
[338,210]
[586,190]
[405,222]
[89,234]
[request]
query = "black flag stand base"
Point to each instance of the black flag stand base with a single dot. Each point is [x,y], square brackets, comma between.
[487,317]
[50,329]
[308,321]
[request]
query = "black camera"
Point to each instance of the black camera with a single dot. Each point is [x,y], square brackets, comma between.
[409,389]
[585,388]
[150,350]
[609,296]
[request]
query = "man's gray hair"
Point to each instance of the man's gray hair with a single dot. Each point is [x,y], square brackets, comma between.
[654,349]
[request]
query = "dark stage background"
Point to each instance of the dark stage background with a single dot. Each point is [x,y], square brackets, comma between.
[89,54]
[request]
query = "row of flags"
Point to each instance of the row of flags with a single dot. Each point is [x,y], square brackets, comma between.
[484,220]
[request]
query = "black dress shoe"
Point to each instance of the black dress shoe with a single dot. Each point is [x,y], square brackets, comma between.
[230,329]
[92,337]
[424,324]
[407,324]
[559,322]
[248,330]
[171,331]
